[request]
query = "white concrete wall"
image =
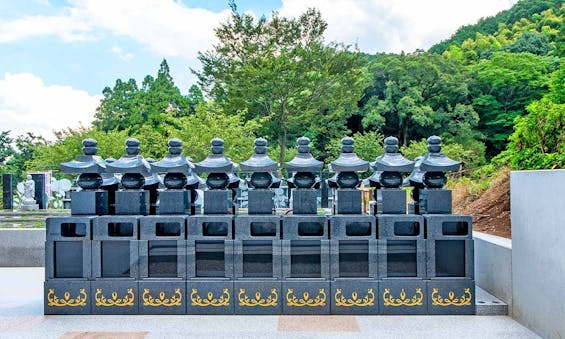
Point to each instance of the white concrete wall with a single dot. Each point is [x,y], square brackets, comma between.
[22,247]
[538,250]
[493,266]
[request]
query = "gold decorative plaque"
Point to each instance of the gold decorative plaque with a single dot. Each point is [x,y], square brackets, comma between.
[451,300]
[319,300]
[415,300]
[126,300]
[196,300]
[271,300]
[367,300]
[174,300]
[66,301]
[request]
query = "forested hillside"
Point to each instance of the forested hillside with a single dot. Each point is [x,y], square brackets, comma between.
[495,92]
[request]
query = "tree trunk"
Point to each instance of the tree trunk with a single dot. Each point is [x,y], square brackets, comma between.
[282,143]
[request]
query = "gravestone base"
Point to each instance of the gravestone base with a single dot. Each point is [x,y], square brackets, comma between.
[451,296]
[207,296]
[89,202]
[403,296]
[435,201]
[30,207]
[62,296]
[306,296]
[354,296]
[217,202]
[393,201]
[258,296]
[114,296]
[173,202]
[304,201]
[348,201]
[260,201]
[162,296]
[132,202]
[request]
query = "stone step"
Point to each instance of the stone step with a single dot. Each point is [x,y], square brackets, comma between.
[488,304]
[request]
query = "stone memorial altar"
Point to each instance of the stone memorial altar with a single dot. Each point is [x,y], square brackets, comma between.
[143,254]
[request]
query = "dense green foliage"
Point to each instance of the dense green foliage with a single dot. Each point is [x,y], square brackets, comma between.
[494,91]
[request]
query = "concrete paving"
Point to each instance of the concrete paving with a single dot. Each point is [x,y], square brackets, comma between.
[21,316]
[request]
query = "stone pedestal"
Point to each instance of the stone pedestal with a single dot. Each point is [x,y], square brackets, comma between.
[161,296]
[304,201]
[89,202]
[435,201]
[260,201]
[132,202]
[403,296]
[393,201]
[451,296]
[67,297]
[7,191]
[258,296]
[174,202]
[210,296]
[217,202]
[355,297]
[348,201]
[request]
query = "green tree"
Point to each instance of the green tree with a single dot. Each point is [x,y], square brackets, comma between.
[6,149]
[530,42]
[24,152]
[280,73]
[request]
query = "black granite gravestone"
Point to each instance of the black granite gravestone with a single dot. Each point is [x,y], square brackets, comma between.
[7,191]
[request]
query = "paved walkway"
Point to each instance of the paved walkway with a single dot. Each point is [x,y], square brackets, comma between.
[21,316]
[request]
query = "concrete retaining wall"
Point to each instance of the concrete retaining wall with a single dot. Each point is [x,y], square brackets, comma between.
[493,266]
[538,250]
[22,247]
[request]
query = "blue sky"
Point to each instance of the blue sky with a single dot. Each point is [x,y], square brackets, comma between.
[56,56]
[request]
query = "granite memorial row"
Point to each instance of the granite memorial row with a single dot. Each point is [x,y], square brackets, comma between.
[136,242]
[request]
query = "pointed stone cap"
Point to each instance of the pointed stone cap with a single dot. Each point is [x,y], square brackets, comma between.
[88,162]
[435,161]
[348,161]
[216,161]
[391,160]
[259,161]
[304,161]
[131,162]
[173,162]
[416,177]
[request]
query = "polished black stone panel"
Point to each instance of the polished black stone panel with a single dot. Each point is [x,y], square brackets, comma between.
[162,259]
[162,296]
[258,297]
[451,296]
[132,202]
[400,226]
[303,296]
[305,227]
[171,227]
[40,196]
[257,227]
[206,296]
[393,201]
[173,202]
[210,226]
[448,226]
[115,259]
[306,259]
[450,258]
[90,202]
[354,258]
[348,201]
[115,297]
[67,296]
[257,259]
[355,297]
[403,296]
[210,259]
[353,227]
[7,191]
[401,258]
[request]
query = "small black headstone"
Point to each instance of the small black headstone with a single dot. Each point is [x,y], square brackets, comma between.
[7,191]
[40,196]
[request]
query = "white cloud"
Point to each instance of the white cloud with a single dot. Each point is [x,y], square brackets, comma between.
[123,55]
[165,27]
[393,26]
[27,104]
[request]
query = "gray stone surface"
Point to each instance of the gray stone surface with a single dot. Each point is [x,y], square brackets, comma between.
[304,201]
[401,227]
[353,227]
[488,304]
[172,227]
[115,227]
[257,259]
[393,201]
[401,258]
[306,296]
[110,259]
[305,227]
[450,258]
[493,266]
[115,297]
[403,296]
[260,201]
[210,227]
[89,202]
[22,247]
[210,259]
[435,201]
[355,296]
[538,242]
[173,202]
[348,201]
[217,201]
[162,297]
[257,227]
[132,202]
[306,259]
[258,297]
[448,226]
[451,296]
